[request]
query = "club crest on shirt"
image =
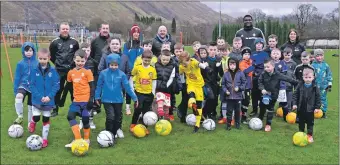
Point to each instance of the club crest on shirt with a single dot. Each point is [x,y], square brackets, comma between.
[37,74]
[71,46]
[150,74]
[254,35]
[50,74]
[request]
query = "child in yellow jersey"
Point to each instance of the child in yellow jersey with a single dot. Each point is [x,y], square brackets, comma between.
[147,45]
[145,77]
[194,80]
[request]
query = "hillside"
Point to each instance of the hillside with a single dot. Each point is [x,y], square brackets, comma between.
[74,11]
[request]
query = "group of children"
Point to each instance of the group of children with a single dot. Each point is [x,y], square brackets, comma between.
[212,73]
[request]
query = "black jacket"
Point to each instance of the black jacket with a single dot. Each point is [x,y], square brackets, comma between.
[62,52]
[163,76]
[91,65]
[97,46]
[299,69]
[297,50]
[312,98]
[249,35]
[271,83]
[157,45]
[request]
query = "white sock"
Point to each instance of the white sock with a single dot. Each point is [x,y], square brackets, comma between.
[127,106]
[46,129]
[224,110]
[30,114]
[19,107]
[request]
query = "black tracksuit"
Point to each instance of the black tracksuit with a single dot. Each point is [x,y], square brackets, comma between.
[62,52]
[271,83]
[307,100]
[299,70]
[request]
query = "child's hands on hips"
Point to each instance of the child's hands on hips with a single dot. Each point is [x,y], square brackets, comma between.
[294,107]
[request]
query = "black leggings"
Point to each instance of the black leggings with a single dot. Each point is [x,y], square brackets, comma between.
[233,106]
[113,116]
[144,105]
[306,118]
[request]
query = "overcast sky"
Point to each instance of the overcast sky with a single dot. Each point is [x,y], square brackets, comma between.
[236,9]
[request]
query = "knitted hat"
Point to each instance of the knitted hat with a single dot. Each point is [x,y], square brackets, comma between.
[318,52]
[257,40]
[134,28]
[246,50]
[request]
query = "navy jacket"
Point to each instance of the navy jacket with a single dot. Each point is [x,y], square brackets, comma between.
[228,84]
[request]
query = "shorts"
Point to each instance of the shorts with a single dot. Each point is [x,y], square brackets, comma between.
[160,96]
[199,96]
[78,107]
[38,112]
[24,92]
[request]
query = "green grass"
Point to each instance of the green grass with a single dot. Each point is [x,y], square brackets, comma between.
[181,147]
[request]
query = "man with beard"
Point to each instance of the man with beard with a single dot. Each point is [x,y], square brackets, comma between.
[62,50]
[249,33]
[162,37]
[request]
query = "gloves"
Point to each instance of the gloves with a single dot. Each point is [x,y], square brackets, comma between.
[89,105]
[329,88]
[218,64]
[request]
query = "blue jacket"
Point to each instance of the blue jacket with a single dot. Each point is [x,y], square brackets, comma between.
[123,63]
[258,59]
[132,53]
[323,74]
[110,82]
[24,67]
[229,84]
[44,83]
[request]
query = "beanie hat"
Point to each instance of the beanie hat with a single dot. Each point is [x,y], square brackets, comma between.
[246,50]
[134,28]
[318,52]
[257,40]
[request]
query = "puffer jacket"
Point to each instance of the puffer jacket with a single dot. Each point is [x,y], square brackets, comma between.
[164,72]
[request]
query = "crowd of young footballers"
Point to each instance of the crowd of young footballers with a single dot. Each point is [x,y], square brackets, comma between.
[213,72]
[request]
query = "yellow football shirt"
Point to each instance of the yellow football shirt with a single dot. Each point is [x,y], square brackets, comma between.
[192,73]
[139,61]
[143,78]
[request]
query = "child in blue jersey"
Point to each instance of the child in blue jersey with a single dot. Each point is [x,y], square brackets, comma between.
[258,57]
[109,92]
[323,78]
[22,81]
[44,86]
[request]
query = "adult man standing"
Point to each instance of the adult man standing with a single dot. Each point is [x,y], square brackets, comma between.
[161,37]
[97,46]
[249,33]
[62,50]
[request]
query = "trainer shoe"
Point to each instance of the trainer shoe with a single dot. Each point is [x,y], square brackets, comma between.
[324,116]
[147,132]
[171,117]
[80,124]
[87,141]
[195,129]
[253,114]
[69,145]
[19,120]
[31,127]
[268,128]
[228,128]
[120,133]
[92,125]
[310,139]
[131,127]
[222,121]
[233,122]
[54,114]
[45,143]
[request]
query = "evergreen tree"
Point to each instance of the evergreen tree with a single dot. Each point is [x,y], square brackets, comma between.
[173,26]
[137,19]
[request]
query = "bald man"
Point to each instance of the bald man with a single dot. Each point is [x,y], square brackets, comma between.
[161,37]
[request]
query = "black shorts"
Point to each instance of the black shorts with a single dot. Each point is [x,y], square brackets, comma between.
[26,93]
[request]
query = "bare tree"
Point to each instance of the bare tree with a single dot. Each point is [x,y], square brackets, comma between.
[258,15]
[304,14]
[239,20]
[334,16]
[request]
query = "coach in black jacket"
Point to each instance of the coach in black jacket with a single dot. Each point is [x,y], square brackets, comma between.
[249,33]
[62,51]
[98,44]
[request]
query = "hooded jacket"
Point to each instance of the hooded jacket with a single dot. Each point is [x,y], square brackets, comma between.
[124,66]
[163,76]
[296,47]
[44,83]
[229,83]
[62,52]
[157,44]
[110,83]
[312,98]
[132,50]
[323,74]
[23,69]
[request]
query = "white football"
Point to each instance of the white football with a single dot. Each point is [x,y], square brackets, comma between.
[209,124]
[191,119]
[255,124]
[105,139]
[150,118]
[15,131]
[34,142]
